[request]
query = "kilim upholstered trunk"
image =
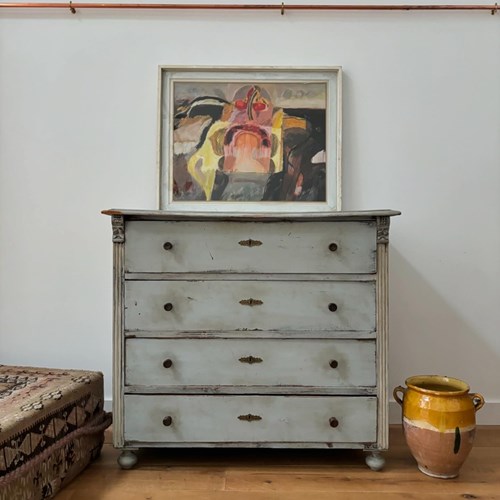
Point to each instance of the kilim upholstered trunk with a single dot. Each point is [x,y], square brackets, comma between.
[51,427]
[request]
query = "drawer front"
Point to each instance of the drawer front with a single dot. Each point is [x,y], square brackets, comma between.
[250,247]
[211,419]
[250,362]
[249,305]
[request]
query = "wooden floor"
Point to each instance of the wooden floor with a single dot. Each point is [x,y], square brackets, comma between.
[283,474]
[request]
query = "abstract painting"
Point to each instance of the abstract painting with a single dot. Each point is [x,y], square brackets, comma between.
[234,139]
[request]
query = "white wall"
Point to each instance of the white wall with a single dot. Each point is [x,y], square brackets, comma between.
[78,104]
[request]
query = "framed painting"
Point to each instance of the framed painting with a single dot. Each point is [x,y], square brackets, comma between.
[250,139]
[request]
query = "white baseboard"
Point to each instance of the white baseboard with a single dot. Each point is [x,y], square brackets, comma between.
[108,405]
[488,415]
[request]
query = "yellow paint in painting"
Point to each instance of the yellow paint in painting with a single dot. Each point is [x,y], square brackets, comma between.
[204,163]
[277,131]
[294,122]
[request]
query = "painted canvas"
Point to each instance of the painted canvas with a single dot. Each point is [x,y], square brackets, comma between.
[247,141]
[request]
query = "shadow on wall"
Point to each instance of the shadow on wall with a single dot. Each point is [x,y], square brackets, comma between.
[428,335]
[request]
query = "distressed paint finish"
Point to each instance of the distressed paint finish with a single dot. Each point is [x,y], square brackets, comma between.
[244,362]
[283,390]
[293,279]
[215,305]
[254,334]
[118,359]
[247,277]
[283,418]
[382,291]
[249,247]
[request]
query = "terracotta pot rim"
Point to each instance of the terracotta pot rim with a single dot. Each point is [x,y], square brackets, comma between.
[457,386]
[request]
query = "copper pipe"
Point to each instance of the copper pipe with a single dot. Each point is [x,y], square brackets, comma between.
[281,7]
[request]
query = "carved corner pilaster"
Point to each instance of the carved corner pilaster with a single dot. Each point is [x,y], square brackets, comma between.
[383,229]
[118,225]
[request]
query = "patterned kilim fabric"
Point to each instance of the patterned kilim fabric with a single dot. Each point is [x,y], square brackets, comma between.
[51,426]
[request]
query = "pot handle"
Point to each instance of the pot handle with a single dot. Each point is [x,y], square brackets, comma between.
[477,401]
[402,390]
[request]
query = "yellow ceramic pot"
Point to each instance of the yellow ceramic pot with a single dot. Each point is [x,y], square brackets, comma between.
[439,422]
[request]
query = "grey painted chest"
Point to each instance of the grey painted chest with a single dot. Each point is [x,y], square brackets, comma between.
[250,331]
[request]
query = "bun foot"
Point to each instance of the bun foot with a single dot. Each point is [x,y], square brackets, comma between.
[127,459]
[375,460]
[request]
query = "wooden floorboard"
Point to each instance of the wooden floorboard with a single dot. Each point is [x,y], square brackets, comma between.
[250,474]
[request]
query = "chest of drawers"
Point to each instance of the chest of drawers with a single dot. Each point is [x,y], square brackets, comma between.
[250,331]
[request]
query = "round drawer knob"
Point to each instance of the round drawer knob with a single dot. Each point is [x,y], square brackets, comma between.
[332,307]
[333,247]
[167,363]
[334,363]
[168,245]
[168,306]
[167,421]
[334,422]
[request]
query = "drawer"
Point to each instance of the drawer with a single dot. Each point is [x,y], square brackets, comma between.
[212,419]
[250,362]
[249,305]
[250,247]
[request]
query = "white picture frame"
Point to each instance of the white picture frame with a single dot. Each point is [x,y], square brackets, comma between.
[250,139]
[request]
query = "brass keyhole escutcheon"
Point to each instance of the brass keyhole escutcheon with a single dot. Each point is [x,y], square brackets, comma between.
[251,302]
[250,360]
[250,418]
[250,243]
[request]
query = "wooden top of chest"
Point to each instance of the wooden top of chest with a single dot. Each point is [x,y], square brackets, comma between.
[250,216]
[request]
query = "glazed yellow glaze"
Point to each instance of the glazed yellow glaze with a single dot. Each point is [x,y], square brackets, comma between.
[423,424]
[442,403]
